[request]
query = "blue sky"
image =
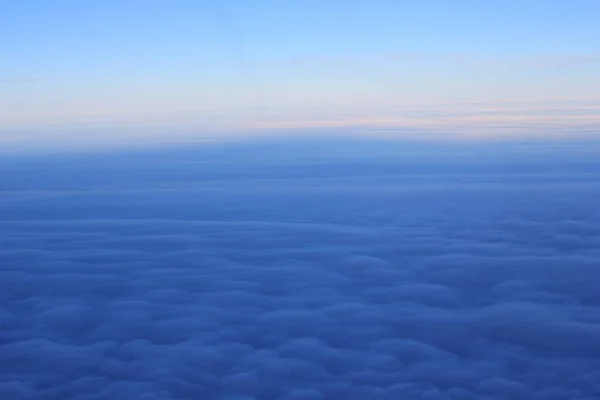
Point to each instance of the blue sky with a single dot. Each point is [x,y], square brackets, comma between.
[109,70]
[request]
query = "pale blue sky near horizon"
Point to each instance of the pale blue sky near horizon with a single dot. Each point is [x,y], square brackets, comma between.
[75,71]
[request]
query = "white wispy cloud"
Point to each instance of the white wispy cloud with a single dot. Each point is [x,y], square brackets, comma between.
[529,60]
[24,79]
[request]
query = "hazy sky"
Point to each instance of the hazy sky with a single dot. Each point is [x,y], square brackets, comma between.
[82,71]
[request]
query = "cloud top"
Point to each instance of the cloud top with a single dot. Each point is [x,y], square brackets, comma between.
[272,277]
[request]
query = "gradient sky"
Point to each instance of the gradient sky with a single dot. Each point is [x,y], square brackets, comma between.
[113,71]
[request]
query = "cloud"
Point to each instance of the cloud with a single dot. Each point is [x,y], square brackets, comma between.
[493,120]
[245,273]
[28,79]
[538,61]
[381,58]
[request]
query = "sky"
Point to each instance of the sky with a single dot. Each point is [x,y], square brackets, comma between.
[131,72]
[299,200]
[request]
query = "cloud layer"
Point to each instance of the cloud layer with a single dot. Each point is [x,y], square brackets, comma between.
[334,276]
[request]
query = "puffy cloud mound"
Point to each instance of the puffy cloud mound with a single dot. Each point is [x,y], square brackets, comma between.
[398,284]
